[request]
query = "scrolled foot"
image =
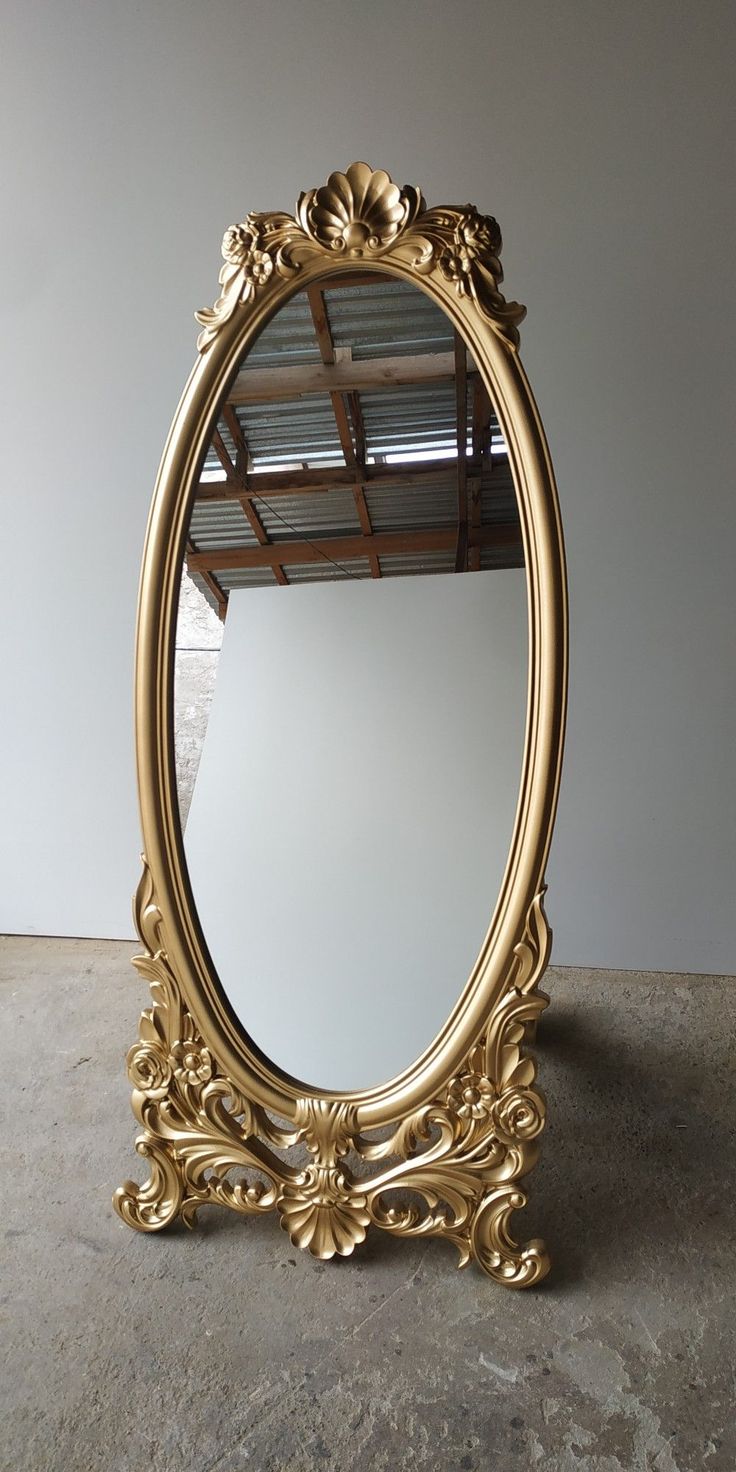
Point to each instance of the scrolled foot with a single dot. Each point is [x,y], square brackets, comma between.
[154,1205]
[494,1248]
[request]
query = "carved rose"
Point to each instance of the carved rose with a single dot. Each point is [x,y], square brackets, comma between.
[192,1063]
[480,235]
[470,1095]
[148,1069]
[237,243]
[518,1114]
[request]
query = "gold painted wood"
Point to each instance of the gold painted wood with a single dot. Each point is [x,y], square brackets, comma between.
[458,1130]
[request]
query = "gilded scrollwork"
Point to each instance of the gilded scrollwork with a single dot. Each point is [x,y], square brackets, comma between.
[362,215]
[457,1158]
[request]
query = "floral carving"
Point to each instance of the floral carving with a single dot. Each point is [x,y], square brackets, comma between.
[519,1114]
[448,1170]
[149,1069]
[362,214]
[476,239]
[192,1063]
[465,246]
[237,243]
[479,235]
[257,269]
[471,1094]
[249,264]
[456,266]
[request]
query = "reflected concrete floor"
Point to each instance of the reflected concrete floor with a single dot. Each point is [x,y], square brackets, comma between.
[224,1350]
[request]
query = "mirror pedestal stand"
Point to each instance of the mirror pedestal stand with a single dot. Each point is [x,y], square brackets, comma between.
[461,1156]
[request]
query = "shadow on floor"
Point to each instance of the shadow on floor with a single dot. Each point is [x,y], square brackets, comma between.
[638,1160]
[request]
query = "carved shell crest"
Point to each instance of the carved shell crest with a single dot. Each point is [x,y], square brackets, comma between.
[359,212]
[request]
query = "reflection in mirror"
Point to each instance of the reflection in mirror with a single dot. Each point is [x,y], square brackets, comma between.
[348,793]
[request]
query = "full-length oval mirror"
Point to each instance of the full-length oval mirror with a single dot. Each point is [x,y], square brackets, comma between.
[350,689]
[351,680]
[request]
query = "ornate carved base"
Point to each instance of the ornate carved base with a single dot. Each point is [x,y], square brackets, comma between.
[449,1170]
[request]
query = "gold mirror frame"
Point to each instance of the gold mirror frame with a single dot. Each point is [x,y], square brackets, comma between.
[459,1128]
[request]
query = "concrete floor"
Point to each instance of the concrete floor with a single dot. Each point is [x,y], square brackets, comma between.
[225,1350]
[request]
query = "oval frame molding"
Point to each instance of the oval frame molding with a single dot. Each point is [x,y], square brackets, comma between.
[459,1128]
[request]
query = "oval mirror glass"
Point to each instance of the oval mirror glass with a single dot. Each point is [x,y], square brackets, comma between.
[351,681]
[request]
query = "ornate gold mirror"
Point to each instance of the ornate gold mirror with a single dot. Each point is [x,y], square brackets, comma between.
[345,843]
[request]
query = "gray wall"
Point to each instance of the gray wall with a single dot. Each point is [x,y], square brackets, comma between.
[601,137]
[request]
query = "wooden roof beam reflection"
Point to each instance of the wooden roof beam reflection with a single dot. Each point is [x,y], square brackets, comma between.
[236,473]
[269,385]
[321,325]
[361,505]
[352,451]
[292,482]
[243,461]
[346,548]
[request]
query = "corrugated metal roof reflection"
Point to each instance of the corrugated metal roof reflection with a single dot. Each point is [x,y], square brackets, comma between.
[220,524]
[498,496]
[212,463]
[390,318]
[417,562]
[298,430]
[287,338]
[246,577]
[312,516]
[399,507]
[500,557]
[416,421]
[422,417]
[353,567]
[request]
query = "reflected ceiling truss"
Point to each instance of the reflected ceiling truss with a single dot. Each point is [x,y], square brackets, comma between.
[478,527]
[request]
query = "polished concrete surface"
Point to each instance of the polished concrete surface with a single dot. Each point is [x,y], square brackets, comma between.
[225,1350]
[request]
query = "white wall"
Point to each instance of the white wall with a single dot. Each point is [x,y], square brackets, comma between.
[601,137]
[353,810]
